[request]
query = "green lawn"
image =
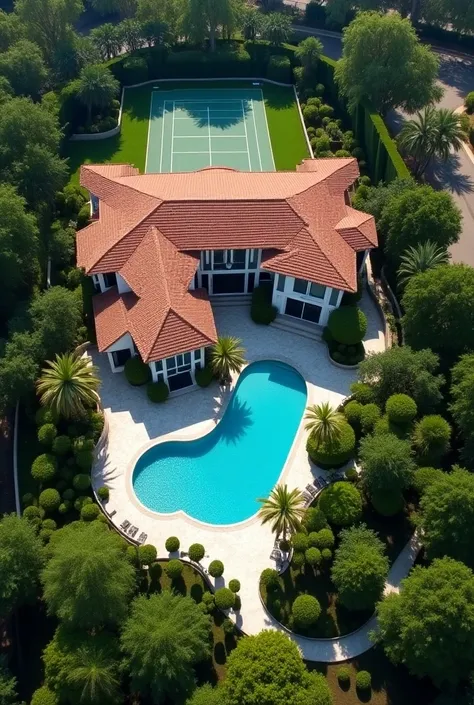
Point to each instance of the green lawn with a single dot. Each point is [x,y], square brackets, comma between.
[286,132]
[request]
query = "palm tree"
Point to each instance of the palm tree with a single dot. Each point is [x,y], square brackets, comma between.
[94,672]
[308,52]
[106,39]
[277,28]
[227,356]
[284,509]
[424,256]
[324,422]
[449,133]
[67,384]
[96,87]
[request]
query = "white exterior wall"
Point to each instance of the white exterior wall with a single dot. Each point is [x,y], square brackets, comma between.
[122,285]
[197,361]
[279,299]
[123,343]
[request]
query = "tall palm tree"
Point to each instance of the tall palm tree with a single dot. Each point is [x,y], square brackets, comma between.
[94,672]
[227,356]
[424,256]
[449,133]
[324,422]
[284,508]
[96,87]
[67,384]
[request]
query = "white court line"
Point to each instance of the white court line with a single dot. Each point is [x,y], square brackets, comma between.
[202,137]
[148,136]
[209,134]
[172,140]
[268,131]
[256,135]
[162,136]
[215,152]
[246,135]
[211,100]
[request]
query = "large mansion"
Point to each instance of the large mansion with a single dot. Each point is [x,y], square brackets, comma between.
[161,246]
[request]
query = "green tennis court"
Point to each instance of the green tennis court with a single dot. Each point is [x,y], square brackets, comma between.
[193,129]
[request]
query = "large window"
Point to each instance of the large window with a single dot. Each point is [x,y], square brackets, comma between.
[300,309]
[110,280]
[226,260]
[301,286]
[178,363]
[120,357]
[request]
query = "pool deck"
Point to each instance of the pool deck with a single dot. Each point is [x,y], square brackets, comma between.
[135,423]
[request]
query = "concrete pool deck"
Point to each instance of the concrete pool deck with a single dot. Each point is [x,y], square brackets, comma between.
[135,423]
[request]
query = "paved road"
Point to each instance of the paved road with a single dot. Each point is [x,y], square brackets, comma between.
[457,175]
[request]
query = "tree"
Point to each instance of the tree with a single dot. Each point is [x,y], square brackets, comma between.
[431,438]
[131,34]
[8,685]
[360,568]
[324,422]
[168,14]
[88,580]
[56,315]
[227,356]
[24,68]
[439,311]
[48,22]
[276,28]
[96,87]
[341,503]
[172,627]
[405,371]
[284,509]
[82,668]
[462,405]
[106,39]
[11,29]
[447,516]
[426,255]
[204,18]
[252,22]
[68,384]
[206,695]
[429,624]
[19,368]
[20,563]
[387,464]
[308,53]
[374,199]
[383,62]
[249,679]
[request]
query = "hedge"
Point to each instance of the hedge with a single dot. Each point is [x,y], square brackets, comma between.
[157,392]
[136,371]
[336,453]
[261,310]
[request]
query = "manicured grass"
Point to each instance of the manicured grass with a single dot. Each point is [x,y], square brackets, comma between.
[286,132]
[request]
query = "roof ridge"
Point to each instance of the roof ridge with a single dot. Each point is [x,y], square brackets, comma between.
[156,233]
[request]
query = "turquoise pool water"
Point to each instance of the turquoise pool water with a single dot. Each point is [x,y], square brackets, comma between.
[218,478]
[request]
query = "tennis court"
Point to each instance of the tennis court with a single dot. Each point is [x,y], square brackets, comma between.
[190,129]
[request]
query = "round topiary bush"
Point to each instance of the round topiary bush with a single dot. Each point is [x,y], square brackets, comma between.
[270,579]
[204,376]
[469,102]
[347,325]
[79,502]
[209,601]
[431,437]
[382,426]
[326,554]
[62,445]
[363,680]
[196,552]
[89,512]
[387,503]
[44,696]
[343,675]
[401,409]
[314,519]
[312,556]
[370,414]
[96,423]
[216,569]
[313,539]
[298,560]
[45,535]
[325,539]
[136,372]
[131,553]
[225,598]
[28,499]
[299,541]
[172,544]
[353,413]
[234,585]
[31,512]
[65,507]
[44,468]
[84,459]
[103,493]
[147,554]
[362,392]
[341,503]
[81,482]
[333,454]
[424,477]
[228,626]
[174,569]
[45,415]
[305,611]
[49,499]
[47,433]
[49,524]
[157,392]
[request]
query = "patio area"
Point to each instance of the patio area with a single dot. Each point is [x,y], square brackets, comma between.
[135,423]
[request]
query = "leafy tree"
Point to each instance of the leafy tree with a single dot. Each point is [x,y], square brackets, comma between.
[431,438]
[88,580]
[227,356]
[96,87]
[48,22]
[56,314]
[387,463]
[276,28]
[11,29]
[8,685]
[23,66]
[168,14]
[20,563]
[374,199]
[83,668]
[68,384]
[447,516]
[131,34]
[252,22]
[384,62]
[429,624]
[403,370]
[284,509]
[249,679]
[206,695]
[308,53]
[341,502]
[323,422]
[204,18]
[54,175]
[19,368]
[173,627]
[439,310]
[106,39]
[462,405]
[360,568]
[426,255]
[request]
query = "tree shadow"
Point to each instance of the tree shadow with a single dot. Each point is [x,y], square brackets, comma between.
[448,176]
[196,592]
[365,696]
[220,655]
[179,586]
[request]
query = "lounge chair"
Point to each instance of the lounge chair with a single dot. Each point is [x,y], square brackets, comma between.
[142,538]
[125,524]
[275,555]
[132,531]
[310,489]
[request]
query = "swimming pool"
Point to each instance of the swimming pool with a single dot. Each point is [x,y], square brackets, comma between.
[218,478]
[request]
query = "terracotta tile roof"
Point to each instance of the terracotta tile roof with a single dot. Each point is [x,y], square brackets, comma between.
[358,229]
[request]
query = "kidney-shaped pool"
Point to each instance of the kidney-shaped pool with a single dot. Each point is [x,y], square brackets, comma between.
[218,478]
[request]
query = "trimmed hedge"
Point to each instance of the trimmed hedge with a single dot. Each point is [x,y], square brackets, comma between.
[157,392]
[225,598]
[336,453]
[49,500]
[401,409]
[172,544]
[47,433]
[261,309]
[196,552]
[279,69]
[136,372]
[305,611]
[204,376]
[89,512]
[216,569]
[341,503]
[174,568]
[44,468]
[347,325]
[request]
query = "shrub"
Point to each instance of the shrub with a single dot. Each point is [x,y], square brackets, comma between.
[298,560]
[312,556]
[335,453]
[68,494]
[270,579]
[49,499]
[347,325]
[424,477]
[363,680]
[103,493]
[326,554]
[311,115]
[313,539]
[261,310]
[314,519]
[64,507]
[61,445]
[234,585]
[343,675]
[31,512]
[353,413]
[382,426]
[469,102]
[204,376]
[81,482]
[147,554]
[89,512]
[83,216]
[84,459]
[209,601]
[225,598]
[45,416]
[44,468]
[196,552]
[362,392]
[96,422]
[305,611]
[49,524]
[136,372]
[28,499]
[47,433]
[172,544]
[44,696]
[131,553]
[299,541]
[352,475]
[157,392]
[228,626]
[370,414]
[341,503]
[325,539]
[401,409]
[79,502]
[387,503]
[135,70]
[216,569]
[431,437]
[173,569]
[155,570]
